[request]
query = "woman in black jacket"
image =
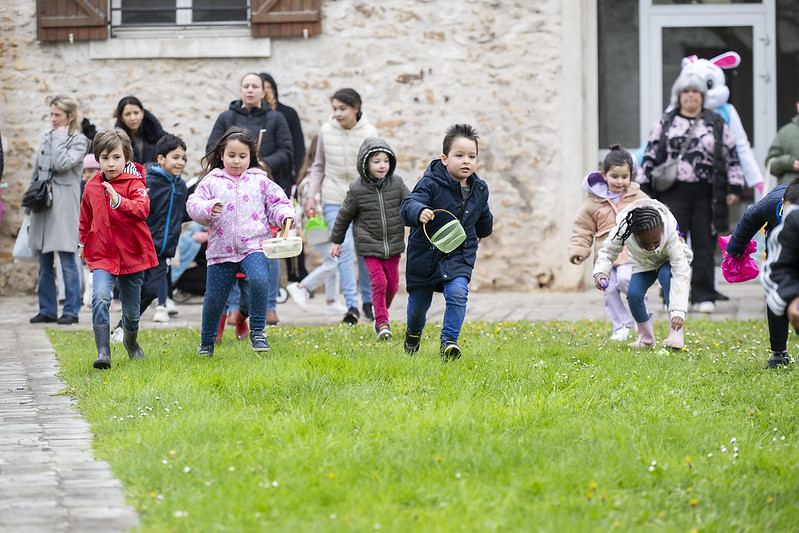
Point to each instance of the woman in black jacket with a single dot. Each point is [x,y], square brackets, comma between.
[141,126]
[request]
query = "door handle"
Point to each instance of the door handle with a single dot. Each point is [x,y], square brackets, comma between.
[766,77]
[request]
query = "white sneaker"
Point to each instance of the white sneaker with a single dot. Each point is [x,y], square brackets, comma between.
[706,307]
[161,314]
[336,308]
[117,335]
[171,307]
[298,294]
[620,334]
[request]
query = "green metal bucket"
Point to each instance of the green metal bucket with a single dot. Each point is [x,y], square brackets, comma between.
[449,236]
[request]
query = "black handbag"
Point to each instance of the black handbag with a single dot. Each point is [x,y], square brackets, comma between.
[39,195]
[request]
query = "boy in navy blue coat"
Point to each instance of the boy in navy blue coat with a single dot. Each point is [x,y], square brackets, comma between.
[449,183]
[767,211]
[168,194]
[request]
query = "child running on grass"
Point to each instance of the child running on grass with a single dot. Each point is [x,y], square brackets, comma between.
[239,202]
[609,191]
[449,183]
[373,204]
[657,252]
[115,241]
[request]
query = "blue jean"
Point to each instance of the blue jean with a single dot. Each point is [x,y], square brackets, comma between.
[129,296]
[640,283]
[48,294]
[239,297]
[346,266]
[219,282]
[187,251]
[456,293]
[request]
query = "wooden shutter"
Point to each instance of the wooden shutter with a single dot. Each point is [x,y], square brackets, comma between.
[85,20]
[285,18]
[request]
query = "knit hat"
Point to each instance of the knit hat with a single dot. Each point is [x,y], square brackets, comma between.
[688,80]
[90,162]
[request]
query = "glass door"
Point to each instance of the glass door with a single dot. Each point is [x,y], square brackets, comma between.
[671,32]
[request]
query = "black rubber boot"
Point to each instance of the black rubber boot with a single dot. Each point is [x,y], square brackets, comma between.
[131,344]
[102,338]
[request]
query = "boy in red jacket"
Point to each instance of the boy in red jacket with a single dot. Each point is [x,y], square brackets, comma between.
[114,239]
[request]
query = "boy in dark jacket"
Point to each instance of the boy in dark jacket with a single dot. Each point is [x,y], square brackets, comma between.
[168,193]
[373,203]
[780,276]
[450,184]
[767,211]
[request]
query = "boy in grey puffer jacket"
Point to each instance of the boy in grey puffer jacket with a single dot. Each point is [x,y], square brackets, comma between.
[373,205]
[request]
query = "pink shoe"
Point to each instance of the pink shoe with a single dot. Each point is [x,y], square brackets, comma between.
[646,334]
[675,339]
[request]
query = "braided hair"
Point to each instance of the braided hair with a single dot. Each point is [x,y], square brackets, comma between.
[638,220]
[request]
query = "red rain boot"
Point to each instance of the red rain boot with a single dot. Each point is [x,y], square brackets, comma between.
[221,329]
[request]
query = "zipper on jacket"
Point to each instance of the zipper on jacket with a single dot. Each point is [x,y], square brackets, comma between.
[385,223]
[168,217]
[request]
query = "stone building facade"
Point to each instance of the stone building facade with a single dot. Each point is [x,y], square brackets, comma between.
[520,71]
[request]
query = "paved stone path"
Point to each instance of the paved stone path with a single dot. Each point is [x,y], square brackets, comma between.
[49,479]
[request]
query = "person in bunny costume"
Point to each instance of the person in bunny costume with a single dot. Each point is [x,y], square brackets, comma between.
[716,99]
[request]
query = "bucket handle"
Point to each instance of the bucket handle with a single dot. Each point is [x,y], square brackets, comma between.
[284,231]
[424,224]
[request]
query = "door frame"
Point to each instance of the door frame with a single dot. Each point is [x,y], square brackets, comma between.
[760,17]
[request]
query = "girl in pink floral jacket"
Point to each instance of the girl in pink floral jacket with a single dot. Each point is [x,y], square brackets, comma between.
[238,202]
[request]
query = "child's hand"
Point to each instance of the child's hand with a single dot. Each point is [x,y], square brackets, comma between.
[112,194]
[676,323]
[793,313]
[577,260]
[335,250]
[216,209]
[310,207]
[80,255]
[426,216]
[200,236]
[601,282]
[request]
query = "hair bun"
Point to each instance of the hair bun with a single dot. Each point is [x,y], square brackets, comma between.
[614,147]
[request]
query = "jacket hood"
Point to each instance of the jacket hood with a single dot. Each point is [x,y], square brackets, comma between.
[237,106]
[132,170]
[271,81]
[669,222]
[437,171]
[155,168]
[151,128]
[597,185]
[370,146]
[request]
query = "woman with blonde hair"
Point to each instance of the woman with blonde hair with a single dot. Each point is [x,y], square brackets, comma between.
[55,228]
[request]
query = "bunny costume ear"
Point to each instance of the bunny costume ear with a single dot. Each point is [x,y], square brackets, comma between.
[688,60]
[727,60]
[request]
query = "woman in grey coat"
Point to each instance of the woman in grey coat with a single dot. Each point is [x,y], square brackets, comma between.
[55,229]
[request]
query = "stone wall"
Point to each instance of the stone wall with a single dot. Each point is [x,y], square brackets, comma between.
[419,67]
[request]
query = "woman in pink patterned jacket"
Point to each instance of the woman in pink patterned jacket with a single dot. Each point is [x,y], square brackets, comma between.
[238,201]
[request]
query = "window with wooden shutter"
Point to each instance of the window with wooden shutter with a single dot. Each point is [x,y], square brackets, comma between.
[286,18]
[64,20]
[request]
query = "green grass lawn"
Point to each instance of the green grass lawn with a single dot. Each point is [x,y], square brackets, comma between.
[539,427]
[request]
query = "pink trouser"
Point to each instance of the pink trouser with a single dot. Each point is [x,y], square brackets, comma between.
[384,275]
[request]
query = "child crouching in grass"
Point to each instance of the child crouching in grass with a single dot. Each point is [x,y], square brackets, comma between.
[657,252]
